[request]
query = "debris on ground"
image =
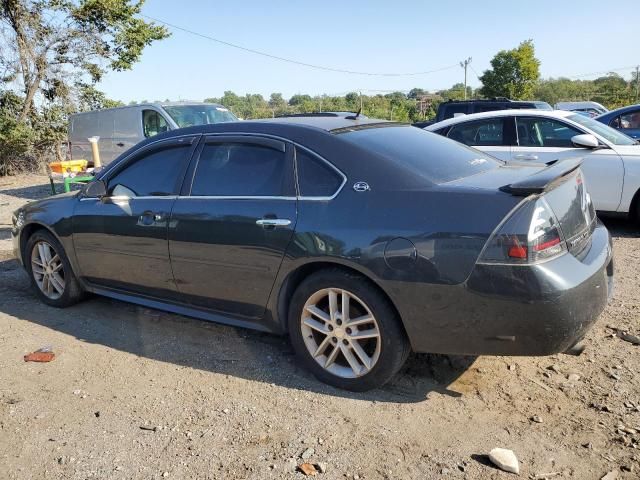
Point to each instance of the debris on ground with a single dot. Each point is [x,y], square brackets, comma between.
[627,337]
[42,355]
[308,469]
[505,460]
[307,454]
[612,475]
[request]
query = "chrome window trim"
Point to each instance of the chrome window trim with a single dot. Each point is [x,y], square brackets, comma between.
[234,197]
[122,198]
[331,165]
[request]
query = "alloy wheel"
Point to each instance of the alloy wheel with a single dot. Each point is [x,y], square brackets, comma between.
[47,270]
[340,332]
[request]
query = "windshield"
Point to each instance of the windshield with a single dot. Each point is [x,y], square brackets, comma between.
[190,115]
[603,130]
[427,154]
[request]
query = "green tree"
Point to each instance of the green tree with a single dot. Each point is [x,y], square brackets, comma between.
[514,73]
[57,42]
[276,102]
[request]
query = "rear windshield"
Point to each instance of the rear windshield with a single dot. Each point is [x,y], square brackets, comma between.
[426,154]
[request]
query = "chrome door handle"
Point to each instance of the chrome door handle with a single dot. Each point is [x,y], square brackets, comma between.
[526,156]
[273,222]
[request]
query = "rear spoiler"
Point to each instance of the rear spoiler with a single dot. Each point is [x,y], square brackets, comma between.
[543,180]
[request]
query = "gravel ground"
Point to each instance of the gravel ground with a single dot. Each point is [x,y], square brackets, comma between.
[137,393]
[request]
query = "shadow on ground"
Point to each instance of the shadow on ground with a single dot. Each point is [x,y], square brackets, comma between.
[30,193]
[622,227]
[206,346]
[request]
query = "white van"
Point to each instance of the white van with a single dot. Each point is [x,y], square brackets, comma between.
[590,109]
[121,128]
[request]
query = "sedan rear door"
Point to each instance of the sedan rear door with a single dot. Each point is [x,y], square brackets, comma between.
[232,223]
[491,135]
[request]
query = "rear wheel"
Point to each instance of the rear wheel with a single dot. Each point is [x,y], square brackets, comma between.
[50,271]
[345,331]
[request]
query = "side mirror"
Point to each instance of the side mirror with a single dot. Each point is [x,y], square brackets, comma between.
[585,140]
[96,189]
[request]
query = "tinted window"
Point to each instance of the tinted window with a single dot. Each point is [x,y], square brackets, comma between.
[489,107]
[154,173]
[235,169]
[315,177]
[544,132]
[482,132]
[425,154]
[153,123]
[451,110]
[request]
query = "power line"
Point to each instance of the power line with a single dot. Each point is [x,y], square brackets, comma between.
[601,72]
[295,62]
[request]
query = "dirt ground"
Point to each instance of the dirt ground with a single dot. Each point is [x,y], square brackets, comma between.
[136,393]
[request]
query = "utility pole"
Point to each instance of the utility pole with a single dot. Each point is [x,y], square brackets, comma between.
[464,64]
[360,101]
[637,82]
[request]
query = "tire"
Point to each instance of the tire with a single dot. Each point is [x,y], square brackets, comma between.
[337,344]
[54,282]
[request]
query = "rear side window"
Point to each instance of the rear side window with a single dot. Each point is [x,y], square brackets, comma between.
[244,170]
[489,132]
[315,177]
[154,173]
[425,154]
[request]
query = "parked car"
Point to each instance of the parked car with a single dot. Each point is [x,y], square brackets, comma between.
[611,162]
[625,119]
[455,108]
[591,109]
[121,128]
[361,239]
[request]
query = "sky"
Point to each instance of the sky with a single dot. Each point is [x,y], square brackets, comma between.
[571,39]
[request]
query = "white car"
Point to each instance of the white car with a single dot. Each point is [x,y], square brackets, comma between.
[611,160]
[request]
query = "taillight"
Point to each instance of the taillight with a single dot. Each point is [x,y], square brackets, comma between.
[531,234]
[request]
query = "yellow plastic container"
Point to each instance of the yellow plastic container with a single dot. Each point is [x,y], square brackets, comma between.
[69,166]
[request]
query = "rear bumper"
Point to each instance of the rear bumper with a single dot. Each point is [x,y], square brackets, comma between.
[519,310]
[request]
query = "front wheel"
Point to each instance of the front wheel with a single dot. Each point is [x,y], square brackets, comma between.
[345,331]
[50,271]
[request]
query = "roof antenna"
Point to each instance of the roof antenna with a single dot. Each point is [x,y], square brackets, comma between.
[354,117]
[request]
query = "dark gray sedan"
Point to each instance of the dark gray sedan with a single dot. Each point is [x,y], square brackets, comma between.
[361,239]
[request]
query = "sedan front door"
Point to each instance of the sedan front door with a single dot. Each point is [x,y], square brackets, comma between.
[542,140]
[231,226]
[121,239]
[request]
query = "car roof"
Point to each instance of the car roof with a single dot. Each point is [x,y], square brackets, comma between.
[500,113]
[328,123]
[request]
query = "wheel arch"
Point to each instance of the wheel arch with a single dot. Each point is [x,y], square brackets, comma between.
[299,274]
[27,232]
[634,209]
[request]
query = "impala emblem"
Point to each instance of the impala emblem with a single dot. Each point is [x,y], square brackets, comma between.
[361,187]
